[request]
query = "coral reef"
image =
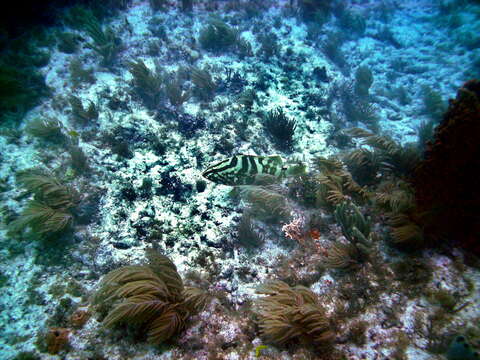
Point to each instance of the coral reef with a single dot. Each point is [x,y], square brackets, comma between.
[349,244]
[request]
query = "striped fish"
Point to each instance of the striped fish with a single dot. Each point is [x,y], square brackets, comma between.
[245,169]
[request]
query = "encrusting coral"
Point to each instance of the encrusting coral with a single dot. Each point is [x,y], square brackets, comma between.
[152,297]
[56,340]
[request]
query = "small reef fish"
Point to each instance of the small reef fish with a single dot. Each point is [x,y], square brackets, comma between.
[246,169]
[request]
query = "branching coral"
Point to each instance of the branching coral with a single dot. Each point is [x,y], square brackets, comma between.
[394,196]
[205,86]
[357,230]
[105,43]
[67,42]
[391,157]
[281,128]
[425,134]
[332,48]
[357,108]
[352,22]
[433,104]
[247,98]
[269,45]
[47,129]
[363,81]
[50,210]
[152,297]
[147,83]
[42,218]
[291,313]
[354,225]
[244,48]
[78,74]
[337,184]
[364,165]
[395,163]
[78,160]
[83,116]
[176,96]
[405,231]
[48,189]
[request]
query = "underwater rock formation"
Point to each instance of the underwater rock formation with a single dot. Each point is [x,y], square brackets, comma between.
[446,181]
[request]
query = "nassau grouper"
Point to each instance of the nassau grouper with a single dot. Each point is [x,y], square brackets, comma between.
[247,169]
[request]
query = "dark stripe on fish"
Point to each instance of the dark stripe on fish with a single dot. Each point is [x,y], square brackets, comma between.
[214,168]
[253,168]
[243,169]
